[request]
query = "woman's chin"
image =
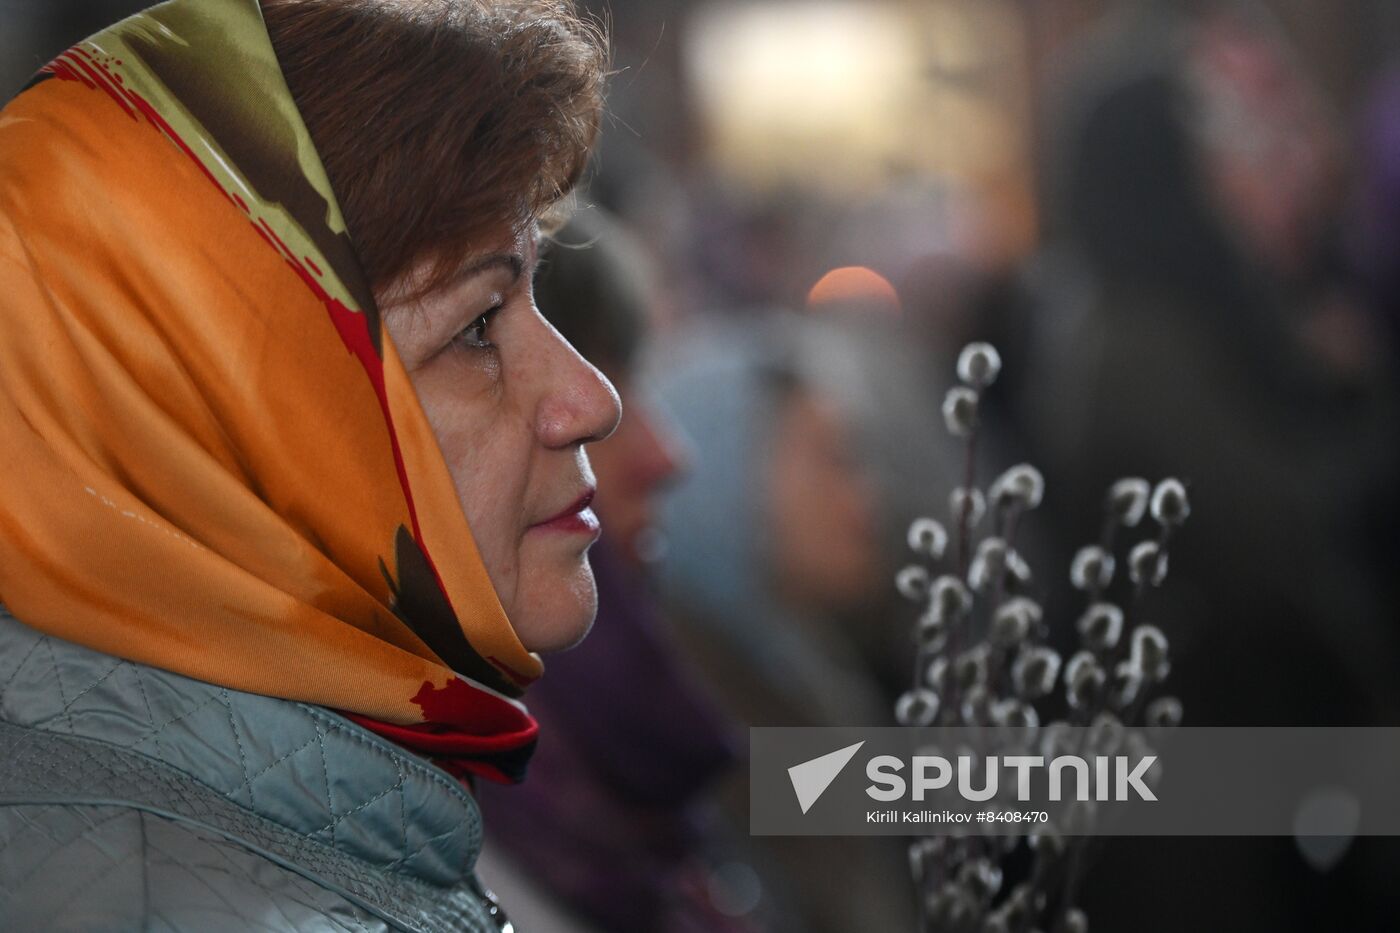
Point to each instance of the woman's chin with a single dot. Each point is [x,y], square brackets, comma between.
[556,609]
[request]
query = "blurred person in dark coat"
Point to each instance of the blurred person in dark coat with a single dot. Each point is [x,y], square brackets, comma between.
[1191,324]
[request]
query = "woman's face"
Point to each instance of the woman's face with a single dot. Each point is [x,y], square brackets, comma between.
[826,553]
[512,405]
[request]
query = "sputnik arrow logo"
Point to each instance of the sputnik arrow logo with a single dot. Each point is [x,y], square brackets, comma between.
[811,778]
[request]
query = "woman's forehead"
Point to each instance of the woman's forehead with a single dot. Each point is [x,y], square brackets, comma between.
[516,247]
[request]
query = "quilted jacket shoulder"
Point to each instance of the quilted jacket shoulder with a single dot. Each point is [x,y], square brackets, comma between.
[81,868]
[132,798]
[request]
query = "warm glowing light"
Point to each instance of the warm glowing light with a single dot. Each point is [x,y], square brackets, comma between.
[847,94]
[823,84]
[858,98]
[851,287]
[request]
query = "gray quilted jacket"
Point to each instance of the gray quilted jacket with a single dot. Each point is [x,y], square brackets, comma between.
[134,799]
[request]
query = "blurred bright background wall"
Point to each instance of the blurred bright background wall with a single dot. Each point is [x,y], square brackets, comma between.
[913,125]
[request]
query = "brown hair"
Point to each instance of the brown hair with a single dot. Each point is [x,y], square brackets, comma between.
[440,121]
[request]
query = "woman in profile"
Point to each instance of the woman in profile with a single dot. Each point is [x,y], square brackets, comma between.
[622,786]
[296,488]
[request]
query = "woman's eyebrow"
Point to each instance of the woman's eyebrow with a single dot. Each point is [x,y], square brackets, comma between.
[513,262]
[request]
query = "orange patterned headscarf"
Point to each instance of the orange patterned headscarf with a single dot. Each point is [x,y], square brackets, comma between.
[214,462]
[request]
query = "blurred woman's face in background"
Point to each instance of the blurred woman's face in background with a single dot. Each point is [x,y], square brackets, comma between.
[1269,150]
[643,456]
[512,405]
[822,516]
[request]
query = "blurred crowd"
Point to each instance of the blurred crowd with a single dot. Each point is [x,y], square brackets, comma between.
[1180,224]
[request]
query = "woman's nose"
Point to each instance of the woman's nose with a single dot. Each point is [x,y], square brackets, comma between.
[580,405]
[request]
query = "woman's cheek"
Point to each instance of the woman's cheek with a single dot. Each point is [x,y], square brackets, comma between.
[491,468]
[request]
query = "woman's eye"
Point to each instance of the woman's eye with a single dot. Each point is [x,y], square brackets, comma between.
[474,335]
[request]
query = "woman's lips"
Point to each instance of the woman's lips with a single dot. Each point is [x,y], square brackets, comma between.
[578,518]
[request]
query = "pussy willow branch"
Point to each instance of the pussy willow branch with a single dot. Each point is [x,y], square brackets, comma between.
[965,519]
[1074,876]
[964,559]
